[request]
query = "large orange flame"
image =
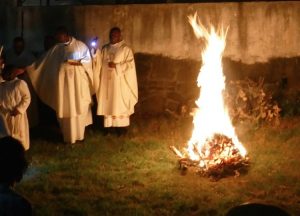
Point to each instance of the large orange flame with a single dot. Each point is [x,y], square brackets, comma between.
[211,117]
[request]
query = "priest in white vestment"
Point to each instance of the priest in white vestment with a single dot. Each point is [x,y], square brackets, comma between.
[63,80]
[14,101]
[117,93]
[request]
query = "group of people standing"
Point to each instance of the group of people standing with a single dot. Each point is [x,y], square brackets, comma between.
[65,78]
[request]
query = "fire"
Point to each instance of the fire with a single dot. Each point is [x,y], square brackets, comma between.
[212,124]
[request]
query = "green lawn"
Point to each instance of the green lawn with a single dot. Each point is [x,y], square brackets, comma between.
[138,174]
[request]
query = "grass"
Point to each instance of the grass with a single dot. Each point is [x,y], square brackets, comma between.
[138,174]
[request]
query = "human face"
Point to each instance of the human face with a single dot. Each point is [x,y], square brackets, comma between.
[61,38]
[115,37]
[19,47]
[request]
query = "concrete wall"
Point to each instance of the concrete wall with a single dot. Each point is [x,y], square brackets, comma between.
[263,40]
[258,31]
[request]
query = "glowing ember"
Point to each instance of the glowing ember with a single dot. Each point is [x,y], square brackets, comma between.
[213,143]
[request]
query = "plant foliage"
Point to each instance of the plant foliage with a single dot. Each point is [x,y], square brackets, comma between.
[248,99]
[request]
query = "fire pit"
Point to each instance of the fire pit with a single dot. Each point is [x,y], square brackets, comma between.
[214,148]
[218,158]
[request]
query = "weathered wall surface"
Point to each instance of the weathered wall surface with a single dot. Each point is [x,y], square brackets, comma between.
[263,40]
[257,31]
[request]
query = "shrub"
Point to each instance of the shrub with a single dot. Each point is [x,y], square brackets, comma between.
[248,99]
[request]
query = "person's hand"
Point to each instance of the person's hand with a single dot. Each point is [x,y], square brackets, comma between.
[73,62]
[15,112]
[111,65]
[93,50]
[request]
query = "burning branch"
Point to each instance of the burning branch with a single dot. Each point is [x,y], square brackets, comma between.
[222,160]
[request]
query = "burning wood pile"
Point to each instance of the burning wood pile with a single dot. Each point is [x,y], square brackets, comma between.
[213,149]
[218,158]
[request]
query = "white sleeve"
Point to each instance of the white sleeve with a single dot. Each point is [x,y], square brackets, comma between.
[25,97]
[126,64]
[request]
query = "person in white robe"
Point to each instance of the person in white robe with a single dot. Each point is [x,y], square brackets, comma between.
[14,101]
[63,80]
[117,93]
[21,57]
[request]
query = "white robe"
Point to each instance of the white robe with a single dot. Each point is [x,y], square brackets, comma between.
[66,88]
[117,93]
[23,60]
[15,94]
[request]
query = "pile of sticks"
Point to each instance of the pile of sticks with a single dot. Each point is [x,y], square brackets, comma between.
[218,158]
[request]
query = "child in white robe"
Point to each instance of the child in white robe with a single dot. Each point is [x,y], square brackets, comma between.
[14,101]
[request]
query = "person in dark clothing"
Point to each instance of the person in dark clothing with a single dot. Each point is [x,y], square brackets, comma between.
[12,167]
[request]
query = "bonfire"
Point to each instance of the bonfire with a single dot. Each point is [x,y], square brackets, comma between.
[214,148]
